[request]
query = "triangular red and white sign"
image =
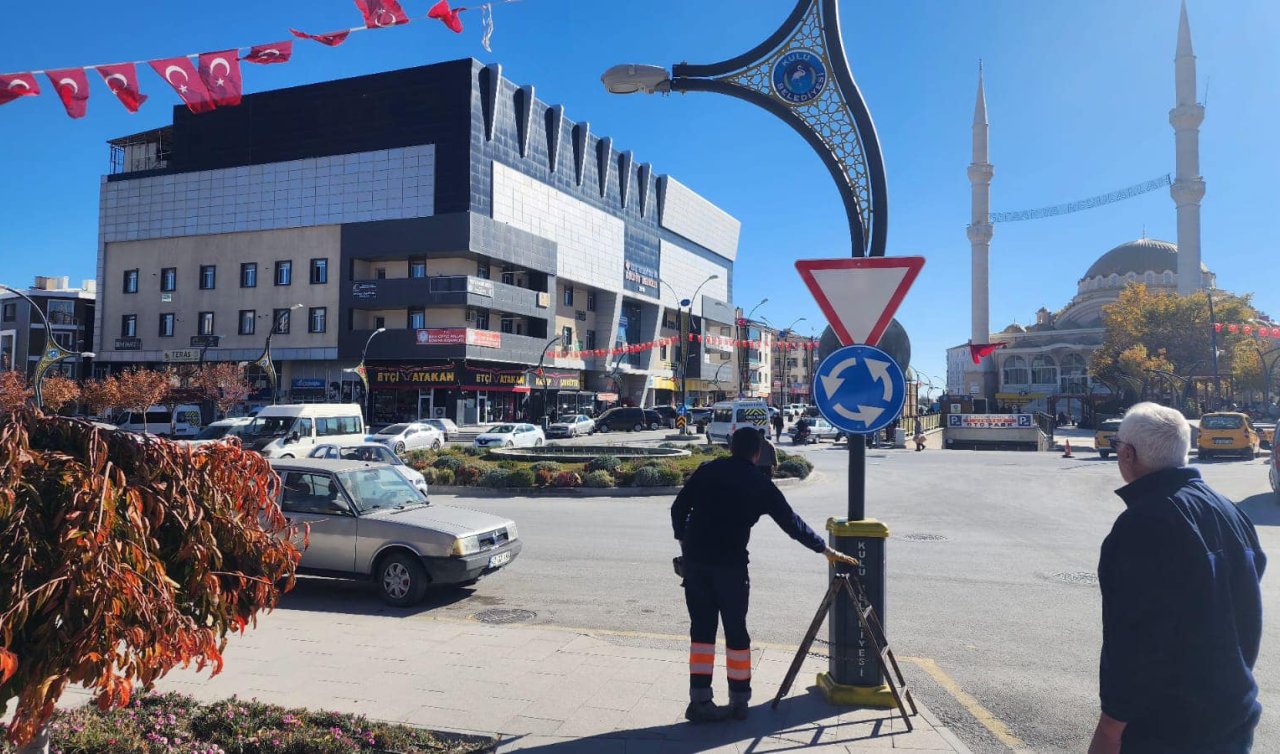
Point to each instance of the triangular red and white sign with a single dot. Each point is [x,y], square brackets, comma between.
[859,295]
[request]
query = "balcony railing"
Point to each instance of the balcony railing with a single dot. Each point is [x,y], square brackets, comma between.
[448,290]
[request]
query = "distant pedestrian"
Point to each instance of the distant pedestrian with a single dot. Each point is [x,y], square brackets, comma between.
[1181,604]
[777,427]
[917,434]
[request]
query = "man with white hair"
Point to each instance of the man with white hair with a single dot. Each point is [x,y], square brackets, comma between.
[1181,605]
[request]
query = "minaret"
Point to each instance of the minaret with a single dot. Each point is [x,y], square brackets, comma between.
[1188,187]
[980,231]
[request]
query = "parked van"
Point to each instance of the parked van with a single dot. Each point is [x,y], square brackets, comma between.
[182,423]
[728,417]
[291,430]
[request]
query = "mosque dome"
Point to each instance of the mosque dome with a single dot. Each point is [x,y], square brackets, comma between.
[1138,256]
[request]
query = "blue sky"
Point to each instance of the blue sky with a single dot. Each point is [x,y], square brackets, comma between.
[1078,95]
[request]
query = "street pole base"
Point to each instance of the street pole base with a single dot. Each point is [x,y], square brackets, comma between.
[842,695]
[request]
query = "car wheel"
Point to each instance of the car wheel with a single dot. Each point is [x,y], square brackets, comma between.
[1103,453]
[401,580]
[399,448]
[638,428]
[287,455]
[508,444]
[437,445]
[537,443]
[655,425]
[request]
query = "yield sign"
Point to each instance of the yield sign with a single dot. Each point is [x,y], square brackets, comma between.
[859,295]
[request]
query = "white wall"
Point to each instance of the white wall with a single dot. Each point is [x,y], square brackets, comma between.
[684,212]
[683,270]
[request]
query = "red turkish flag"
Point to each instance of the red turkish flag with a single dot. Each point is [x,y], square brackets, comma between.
[122,80]
[276,52]
[979,351]
[72,87]
[220,72]
[380,13]
[17,85]
[448,17]
[332,39]
[184,79]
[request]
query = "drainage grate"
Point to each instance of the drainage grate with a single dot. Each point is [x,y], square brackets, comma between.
[501,615]
[1082,578]
[920,537]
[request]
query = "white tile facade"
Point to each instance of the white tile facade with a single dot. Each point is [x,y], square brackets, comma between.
[688,214]
[383,185]
[590,243]
[683,270]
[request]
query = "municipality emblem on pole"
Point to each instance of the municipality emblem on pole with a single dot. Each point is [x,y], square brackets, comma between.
[799,77]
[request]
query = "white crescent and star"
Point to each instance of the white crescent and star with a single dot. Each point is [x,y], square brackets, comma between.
[270,52]
[378,16]
[124,82]
[75,88]
[213,67]
[19,83]
[168,76]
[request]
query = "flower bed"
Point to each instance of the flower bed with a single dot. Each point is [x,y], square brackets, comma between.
[178,724]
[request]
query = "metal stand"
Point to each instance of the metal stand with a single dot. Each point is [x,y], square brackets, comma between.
[871,629]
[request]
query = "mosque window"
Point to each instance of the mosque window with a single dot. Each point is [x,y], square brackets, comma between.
[1113,281]
[1168,277]
[1044,370]
[1074,375]
[1015,371]
[1150,278]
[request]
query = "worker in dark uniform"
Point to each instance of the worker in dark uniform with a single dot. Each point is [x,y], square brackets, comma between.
[712,517]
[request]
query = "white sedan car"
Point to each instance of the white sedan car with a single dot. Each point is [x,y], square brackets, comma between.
[572,426]
[373,452]
[446,426]
[511,436]
[410,436]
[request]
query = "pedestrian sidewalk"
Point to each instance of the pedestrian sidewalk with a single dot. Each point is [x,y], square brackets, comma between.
[541,689]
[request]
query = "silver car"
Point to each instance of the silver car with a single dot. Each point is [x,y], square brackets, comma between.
[367,522]
[375,452]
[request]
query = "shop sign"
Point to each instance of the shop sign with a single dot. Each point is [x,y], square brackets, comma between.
[444,337]
[364,291]
[990,421]
[664,383]
[484,338]
[446,375]
[544,299]
[128,344]
[182,356]
[607,397]
[205,341]
[307,383]
[556,380]
[639,277]
[480,286]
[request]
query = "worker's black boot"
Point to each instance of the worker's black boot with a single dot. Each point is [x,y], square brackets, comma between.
[706,712]
[739,711]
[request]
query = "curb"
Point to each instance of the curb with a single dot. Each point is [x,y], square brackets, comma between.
[440,489]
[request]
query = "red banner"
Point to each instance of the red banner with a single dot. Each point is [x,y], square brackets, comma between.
[17,85]
[122,80]
[276,52]
[220,72]
[72,87]
[184,79]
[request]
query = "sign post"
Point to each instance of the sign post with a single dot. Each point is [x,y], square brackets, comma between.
[860,389]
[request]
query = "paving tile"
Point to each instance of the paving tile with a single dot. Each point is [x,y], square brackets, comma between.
[590,721]
[529,726]
[562,745]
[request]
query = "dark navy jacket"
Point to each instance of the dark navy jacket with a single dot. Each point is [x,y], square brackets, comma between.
[722,500]
[1181,614]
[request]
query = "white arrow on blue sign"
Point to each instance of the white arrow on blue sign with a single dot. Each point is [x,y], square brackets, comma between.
[860,389]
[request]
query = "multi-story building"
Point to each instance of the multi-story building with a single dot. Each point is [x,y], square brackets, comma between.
[70,312]
[755,358]
[502,248]
[793,363]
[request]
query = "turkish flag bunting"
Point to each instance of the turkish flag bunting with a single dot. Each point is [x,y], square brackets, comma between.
[72,87]
[380,13]
[448,17]
[979,351]
[276,52]
[17,85]
[184,79]
[220,72]
[332,39]
[122,80]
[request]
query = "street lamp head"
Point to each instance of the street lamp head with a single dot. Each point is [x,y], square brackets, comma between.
[380,330]
[632,78]
[685,302]
[88,355]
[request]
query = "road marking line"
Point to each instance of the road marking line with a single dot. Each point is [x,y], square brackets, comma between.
[974,707]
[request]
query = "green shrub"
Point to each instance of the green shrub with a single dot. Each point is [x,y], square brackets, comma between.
[452,463]
[495,478]
[473,451]
[656,476]
[793,468]
[443,477]
[520,479]
[610,464]
[667,445]
[598,479]
[551,466]
[568,479]
[671,476]
[468,475]
[428,475]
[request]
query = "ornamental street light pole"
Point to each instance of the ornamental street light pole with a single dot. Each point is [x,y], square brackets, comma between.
[801,75]
[360,371]
[264,361]
[743,328]
[539,377]
[52,352]
[685,345]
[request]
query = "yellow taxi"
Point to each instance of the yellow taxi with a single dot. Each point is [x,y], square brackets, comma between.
[1106,433]
[1227,433]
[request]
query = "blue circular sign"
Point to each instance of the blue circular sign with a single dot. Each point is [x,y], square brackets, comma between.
[859,389]
[799,77]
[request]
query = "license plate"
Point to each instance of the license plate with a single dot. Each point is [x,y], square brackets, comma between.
[1222,441]
[500,559]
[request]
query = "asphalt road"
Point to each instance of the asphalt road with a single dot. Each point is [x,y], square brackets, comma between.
[999,591]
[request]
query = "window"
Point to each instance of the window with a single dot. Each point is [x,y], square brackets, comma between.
[1044,370]
[417,319]
[169,279]
[508,325]
[482,269]
[284,272]
[316,319]
[1015,371]
[380,273]
[281,319]
[591,301]
[208,277]
[129,326]
[1073,375]
[662,353]
[310,493]
[591,340]
[10,312]
[566,338]
[319,271]
[670,320]
[568,295]
[379,323]
[65,340]
[482,319]
[61,312]
[205,323]
[130,281]
[249,275]
[417,268]
[248,321]
[166,325]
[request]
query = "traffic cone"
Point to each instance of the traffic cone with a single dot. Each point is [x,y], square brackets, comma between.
[1067,452]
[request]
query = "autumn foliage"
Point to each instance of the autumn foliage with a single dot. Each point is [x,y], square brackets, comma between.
[224,384]
[122,557]
[58,392]
[14,392]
